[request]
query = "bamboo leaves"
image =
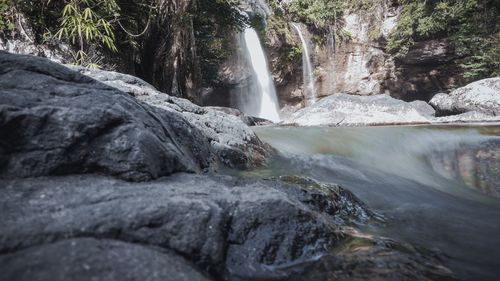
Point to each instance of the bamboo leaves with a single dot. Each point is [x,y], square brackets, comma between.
[84,23]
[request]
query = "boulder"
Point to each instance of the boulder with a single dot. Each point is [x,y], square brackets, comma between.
[56,121]
[99,260]
[226,228]
[347,110]
[467,117]
[481,96]
[223,125]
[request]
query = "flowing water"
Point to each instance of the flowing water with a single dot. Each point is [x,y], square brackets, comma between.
[436,187]
[307,68]
[263,101]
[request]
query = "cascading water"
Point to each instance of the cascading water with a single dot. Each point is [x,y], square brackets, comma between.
[428,183]
[262,92]
[307,69]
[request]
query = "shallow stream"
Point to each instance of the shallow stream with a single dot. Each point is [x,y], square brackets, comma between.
[436,187]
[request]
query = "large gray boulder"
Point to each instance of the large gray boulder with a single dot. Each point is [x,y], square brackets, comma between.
[56,121]
[227,228]
[481,96]
[348,110]
[98,260]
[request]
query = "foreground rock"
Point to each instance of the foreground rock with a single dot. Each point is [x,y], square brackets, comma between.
[97,259]
[227,229]
[482,96]
[55,121]
[347,110]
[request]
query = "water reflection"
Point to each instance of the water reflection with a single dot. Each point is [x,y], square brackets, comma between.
[475,165]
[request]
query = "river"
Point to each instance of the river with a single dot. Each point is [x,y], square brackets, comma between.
[436,187]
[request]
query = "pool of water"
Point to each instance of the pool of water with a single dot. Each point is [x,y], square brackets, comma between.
[437,187]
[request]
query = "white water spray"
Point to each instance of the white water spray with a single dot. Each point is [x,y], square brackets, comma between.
[307,69]
[264,90]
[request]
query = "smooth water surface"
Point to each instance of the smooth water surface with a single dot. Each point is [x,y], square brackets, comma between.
[436,187]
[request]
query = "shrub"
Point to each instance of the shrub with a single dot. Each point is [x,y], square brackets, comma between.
[472,27]
[87,22]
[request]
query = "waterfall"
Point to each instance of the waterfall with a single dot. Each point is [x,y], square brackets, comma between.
[307,69]
[263,93]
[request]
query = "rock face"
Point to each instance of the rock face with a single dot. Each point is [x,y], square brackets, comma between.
[230,229]
[428,68]
[56,121]
[360,65]
[347,110]
[482,96]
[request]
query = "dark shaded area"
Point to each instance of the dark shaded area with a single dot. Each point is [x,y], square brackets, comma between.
[429,67]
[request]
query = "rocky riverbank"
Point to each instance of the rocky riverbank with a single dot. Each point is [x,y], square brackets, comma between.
[105,182]
[476,102]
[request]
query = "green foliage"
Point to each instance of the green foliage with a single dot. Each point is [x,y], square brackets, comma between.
[6,20]
[293,53]
[84,24]
[374,33]
[364,5]
[212,21]
[279,25]
[221,12]
[483,58]
[472,26]
[319,13]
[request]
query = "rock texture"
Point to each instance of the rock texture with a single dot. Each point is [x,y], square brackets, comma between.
[56,121]
[97,259]
[347,110]
[230,229]
[429,67]
[468,117]
[482,96]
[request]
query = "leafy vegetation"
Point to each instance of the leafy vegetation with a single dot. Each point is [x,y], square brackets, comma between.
[82,24]
[472,27]
[6,19]
[212,20]
[320,13]
[111,25]
[96,26]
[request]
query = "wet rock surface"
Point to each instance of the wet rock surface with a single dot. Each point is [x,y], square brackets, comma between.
[55,121]
[228,228]
[359,258]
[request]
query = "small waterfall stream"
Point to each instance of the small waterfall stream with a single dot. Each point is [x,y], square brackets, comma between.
[417,178]
[307,69]
[263,92]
